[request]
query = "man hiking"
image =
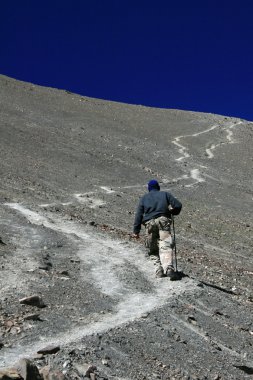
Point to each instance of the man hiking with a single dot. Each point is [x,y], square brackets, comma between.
[154,212]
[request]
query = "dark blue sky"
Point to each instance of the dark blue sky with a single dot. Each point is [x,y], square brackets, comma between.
[192,55]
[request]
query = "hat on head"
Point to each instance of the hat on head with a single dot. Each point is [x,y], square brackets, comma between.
[153,184]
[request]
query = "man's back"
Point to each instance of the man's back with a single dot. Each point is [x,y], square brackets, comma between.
[154,204]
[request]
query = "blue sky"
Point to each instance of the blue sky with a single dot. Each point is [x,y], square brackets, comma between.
[192,55]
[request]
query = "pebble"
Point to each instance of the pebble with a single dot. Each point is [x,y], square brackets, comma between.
[145,315]
[64,273]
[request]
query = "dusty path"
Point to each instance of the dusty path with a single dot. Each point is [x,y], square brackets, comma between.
[109,262]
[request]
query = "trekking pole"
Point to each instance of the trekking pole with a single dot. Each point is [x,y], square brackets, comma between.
[174,242]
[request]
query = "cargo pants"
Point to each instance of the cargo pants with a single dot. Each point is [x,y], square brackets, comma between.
[159,242]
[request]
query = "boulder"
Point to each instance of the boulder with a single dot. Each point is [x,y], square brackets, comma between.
[85,369]
[27,370]
[9,374]
[51,349]
[32,301]
[48,374]
[32,317]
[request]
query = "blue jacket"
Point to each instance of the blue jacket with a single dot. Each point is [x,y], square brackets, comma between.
[154,204]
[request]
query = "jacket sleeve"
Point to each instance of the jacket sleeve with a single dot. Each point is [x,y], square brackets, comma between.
[174,203]
[138,217]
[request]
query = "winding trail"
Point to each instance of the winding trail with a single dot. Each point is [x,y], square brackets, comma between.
[183,149]
[185,154]
[110,256]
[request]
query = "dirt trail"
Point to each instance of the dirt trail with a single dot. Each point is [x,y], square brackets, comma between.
[108,259]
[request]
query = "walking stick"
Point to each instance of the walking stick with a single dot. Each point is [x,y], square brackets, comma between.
[174,242]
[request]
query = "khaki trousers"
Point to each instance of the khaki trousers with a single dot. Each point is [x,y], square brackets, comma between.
[159,242]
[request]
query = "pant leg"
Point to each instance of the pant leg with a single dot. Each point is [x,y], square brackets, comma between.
[165,242]
[152,243]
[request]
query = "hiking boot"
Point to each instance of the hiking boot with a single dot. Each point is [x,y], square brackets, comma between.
[171,274]
[159,272]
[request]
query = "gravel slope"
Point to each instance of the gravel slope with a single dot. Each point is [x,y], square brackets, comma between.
[72,170]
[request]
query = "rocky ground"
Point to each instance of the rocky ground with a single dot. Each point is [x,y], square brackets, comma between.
[72,170]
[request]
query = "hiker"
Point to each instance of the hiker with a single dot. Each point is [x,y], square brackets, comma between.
[154,212]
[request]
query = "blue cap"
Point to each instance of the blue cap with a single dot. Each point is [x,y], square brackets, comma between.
[153,184]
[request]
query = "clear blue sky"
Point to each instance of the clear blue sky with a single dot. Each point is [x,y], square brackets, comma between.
[192,55]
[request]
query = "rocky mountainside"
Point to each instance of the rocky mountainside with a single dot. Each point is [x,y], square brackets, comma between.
[78,296]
